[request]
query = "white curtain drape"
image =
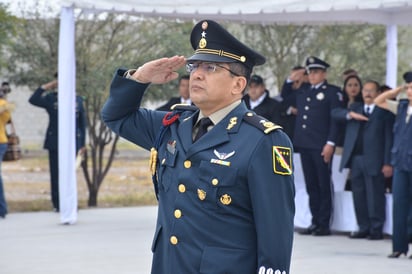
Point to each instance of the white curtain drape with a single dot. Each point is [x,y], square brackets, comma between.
[66,109]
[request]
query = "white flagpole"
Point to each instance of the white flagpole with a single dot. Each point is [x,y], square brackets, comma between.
[391,55]
[66,108]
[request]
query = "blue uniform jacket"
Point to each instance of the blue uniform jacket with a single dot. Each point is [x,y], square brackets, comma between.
[48,101]
[224,206]
[402,145]
[377,137]
[314,125]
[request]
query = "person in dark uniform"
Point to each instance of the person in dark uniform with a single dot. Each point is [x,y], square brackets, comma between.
[258,100]
[314,138]
[401,162]
[184,97]
[222,174]
[366,151]
[46,97]
[297,80]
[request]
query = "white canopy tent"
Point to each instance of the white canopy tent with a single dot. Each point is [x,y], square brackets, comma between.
[386,12]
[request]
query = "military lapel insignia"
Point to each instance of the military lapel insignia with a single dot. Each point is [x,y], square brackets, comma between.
[221,158]
[282,160]
[226,199]
[320,96]
[232,123]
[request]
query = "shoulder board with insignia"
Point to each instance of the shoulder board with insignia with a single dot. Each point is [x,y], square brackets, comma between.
[260,122]
[183,107]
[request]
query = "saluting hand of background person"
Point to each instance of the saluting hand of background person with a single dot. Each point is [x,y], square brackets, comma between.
[49,85]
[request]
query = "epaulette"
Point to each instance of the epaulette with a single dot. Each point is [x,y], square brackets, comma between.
[183,107]
[260,122]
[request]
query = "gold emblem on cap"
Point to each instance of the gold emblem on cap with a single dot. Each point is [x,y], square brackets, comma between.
[201,194]
[204,25]
[202,43]
[242,59]
[225,199]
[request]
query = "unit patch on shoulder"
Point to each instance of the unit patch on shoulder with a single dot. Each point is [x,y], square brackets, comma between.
[282,160]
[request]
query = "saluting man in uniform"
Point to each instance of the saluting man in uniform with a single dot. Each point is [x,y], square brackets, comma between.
[315,137]
[46,97]
[223,175]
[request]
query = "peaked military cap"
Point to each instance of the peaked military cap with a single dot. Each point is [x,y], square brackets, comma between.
[315,63]
[212,43]
[407,76]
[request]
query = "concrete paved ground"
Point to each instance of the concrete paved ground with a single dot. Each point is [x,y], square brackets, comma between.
[118,240]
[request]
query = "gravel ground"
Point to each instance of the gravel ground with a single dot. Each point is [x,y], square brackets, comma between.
[28,178]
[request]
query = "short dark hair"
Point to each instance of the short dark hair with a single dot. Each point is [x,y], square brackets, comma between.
[240,69]
[377,85]
[5,89]
[350,71]
[384,87]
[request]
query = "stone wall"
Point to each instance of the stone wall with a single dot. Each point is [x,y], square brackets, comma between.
[30,121]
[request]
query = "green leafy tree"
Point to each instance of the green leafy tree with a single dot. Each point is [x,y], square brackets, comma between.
[104,42]
[7,31]
[102,46]
[361,47]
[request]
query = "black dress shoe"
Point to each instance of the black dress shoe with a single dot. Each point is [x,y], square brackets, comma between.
[396,254]
[375,236]
[321,232]
[359,235]
[309,230]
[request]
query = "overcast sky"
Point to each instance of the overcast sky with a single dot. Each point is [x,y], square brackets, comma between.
[17,5]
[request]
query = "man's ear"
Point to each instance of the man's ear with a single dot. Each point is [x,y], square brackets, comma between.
[239,85]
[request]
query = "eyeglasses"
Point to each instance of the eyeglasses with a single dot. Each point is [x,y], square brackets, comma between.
[206,67]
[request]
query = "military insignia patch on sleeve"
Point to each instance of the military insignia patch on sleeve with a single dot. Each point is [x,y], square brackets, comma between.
[282,160]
